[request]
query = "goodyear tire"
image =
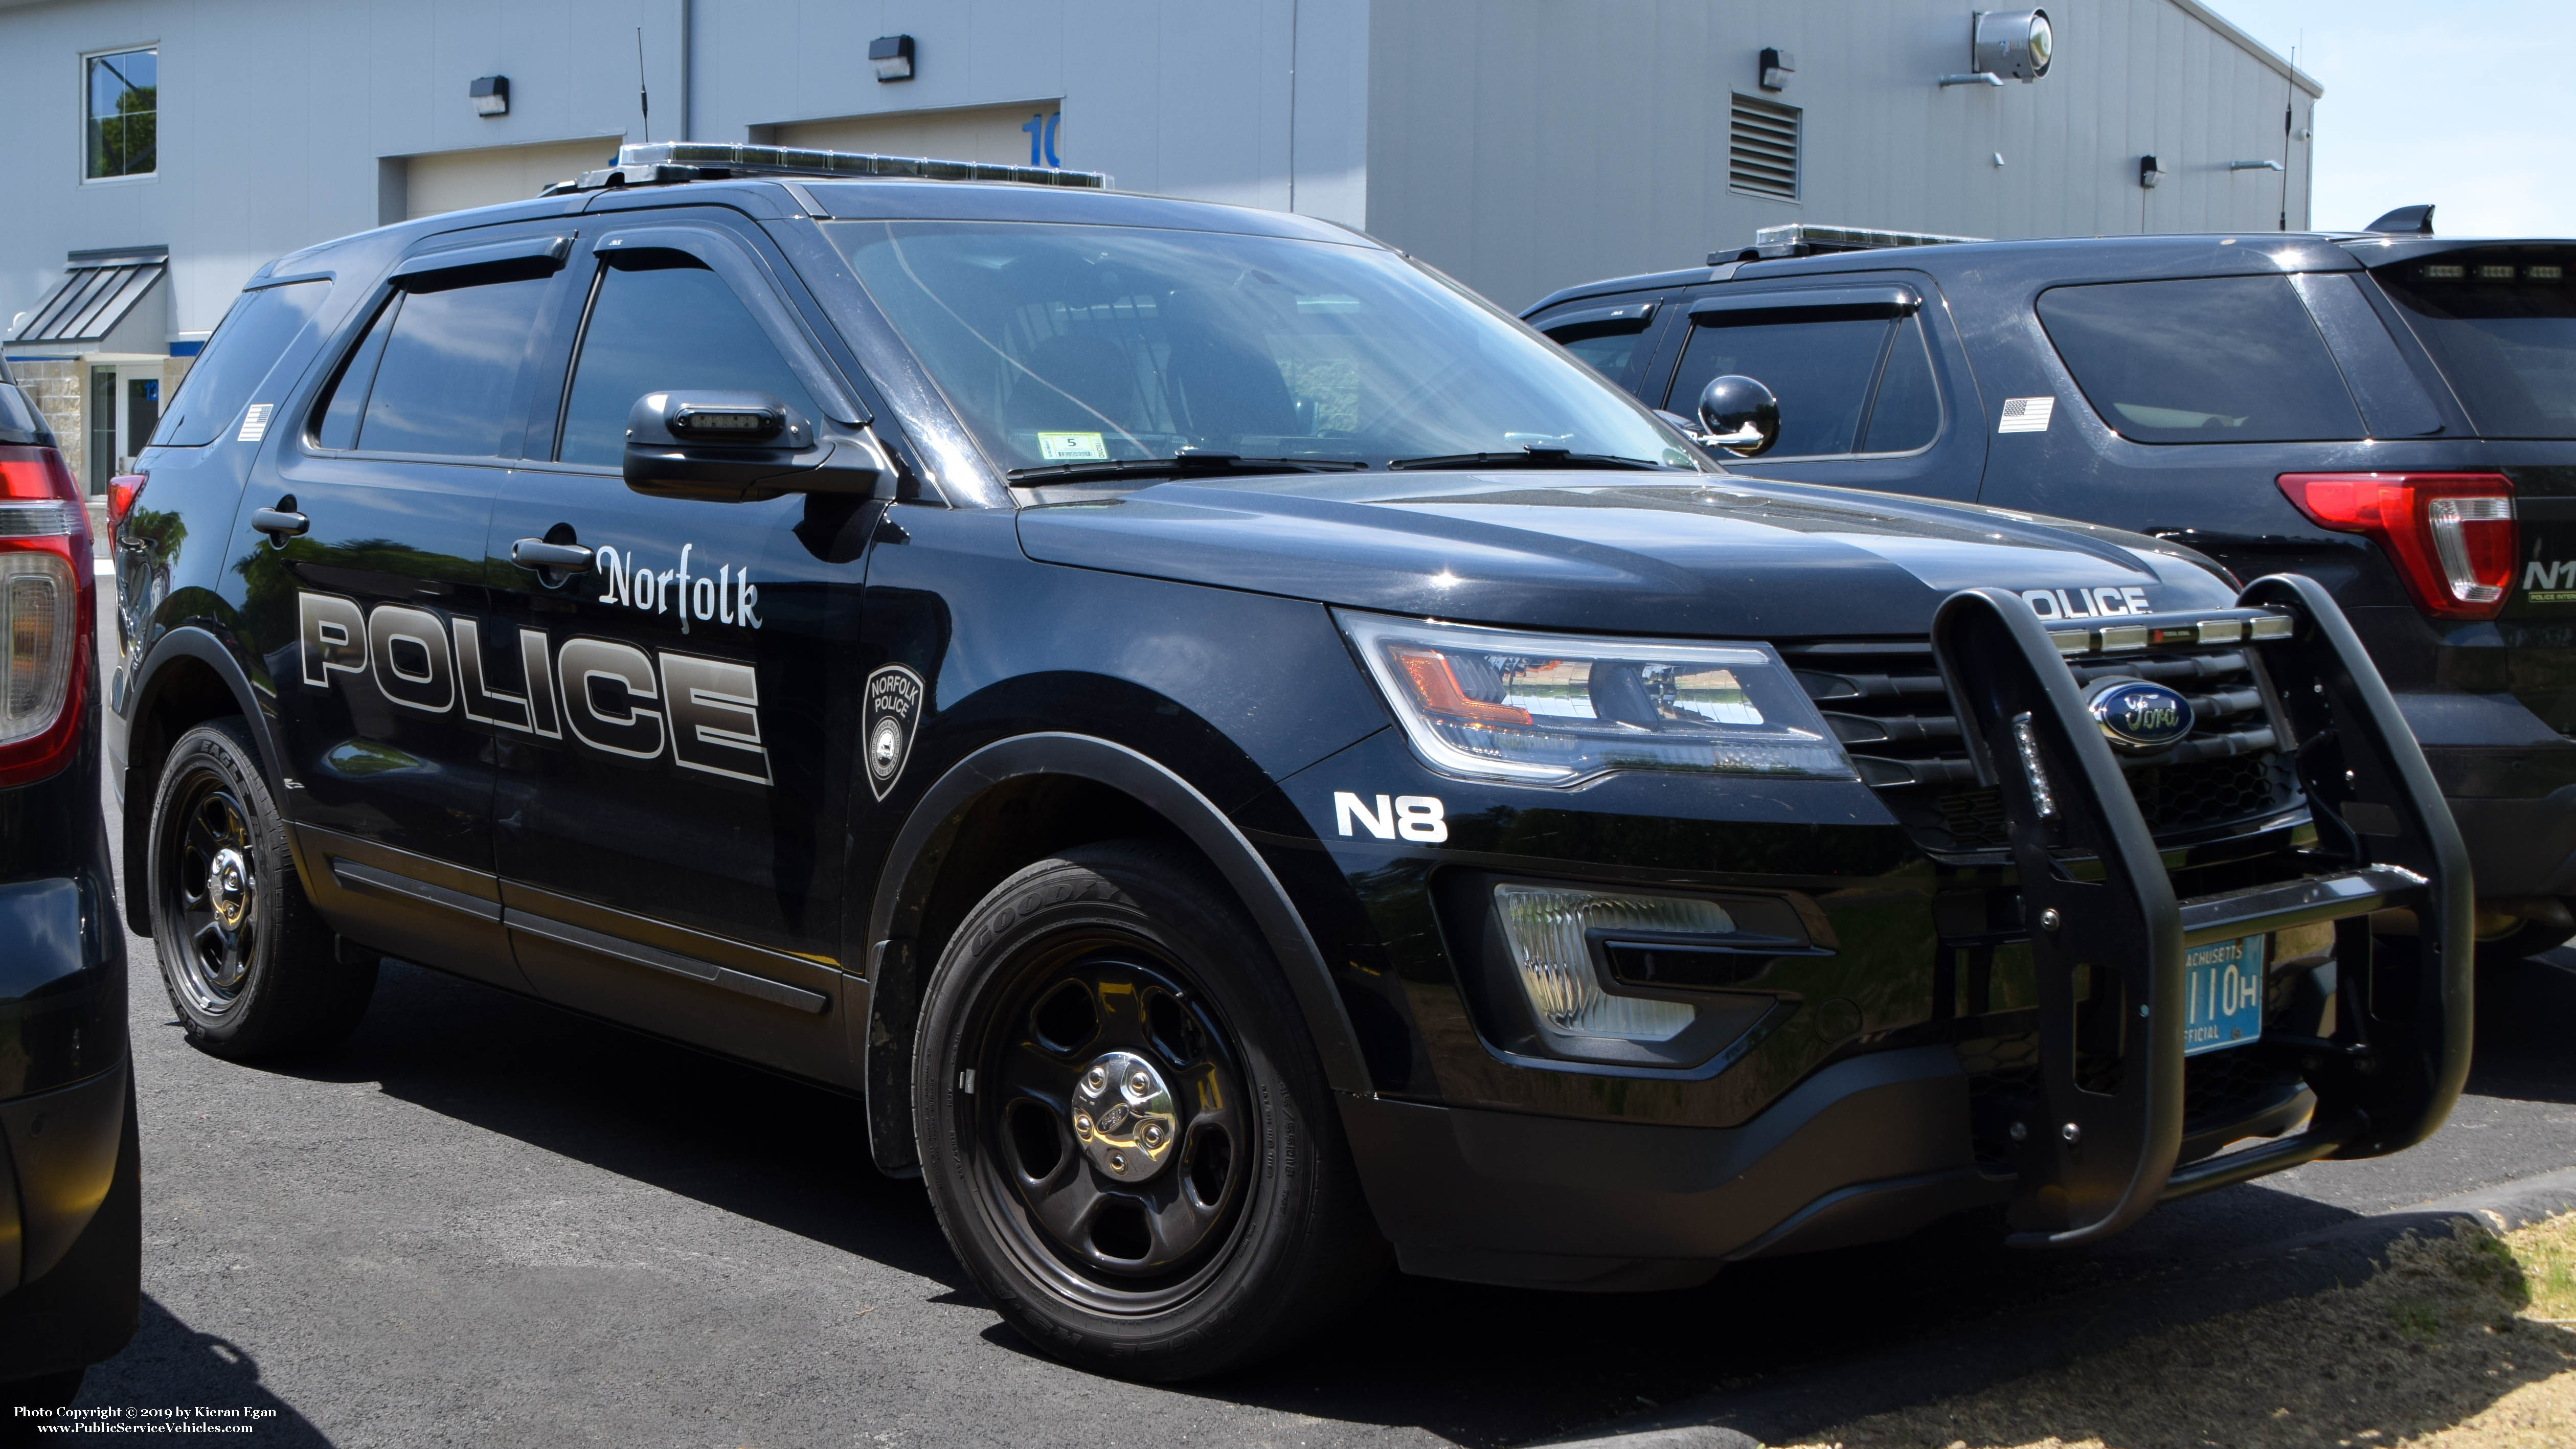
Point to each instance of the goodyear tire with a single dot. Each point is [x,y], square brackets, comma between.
[248,965]
[1123,1126]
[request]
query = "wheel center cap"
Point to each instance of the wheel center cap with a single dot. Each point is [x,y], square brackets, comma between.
[1124,1117]
[228,886]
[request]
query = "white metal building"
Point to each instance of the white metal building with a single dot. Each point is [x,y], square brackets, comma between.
[162,149]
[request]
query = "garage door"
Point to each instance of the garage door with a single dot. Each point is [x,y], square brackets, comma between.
[455,180]
[1014,135]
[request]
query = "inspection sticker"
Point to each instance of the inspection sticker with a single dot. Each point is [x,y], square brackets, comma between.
[1072,448]
[2026,414]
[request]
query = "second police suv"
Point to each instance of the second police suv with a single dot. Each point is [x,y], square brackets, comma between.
[1244,754]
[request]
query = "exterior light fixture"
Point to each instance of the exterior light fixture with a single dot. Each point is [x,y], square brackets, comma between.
[892,56]
[2007,45]
[2149,173]
[2253,165]
[491,95]
[1777,67]
[2015,44]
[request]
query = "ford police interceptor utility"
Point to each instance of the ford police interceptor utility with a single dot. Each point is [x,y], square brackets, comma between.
[1247,756]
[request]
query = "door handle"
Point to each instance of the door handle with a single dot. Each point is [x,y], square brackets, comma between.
[280,524]
[536,553]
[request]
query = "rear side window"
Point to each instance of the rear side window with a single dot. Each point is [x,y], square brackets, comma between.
[247,344]
[437,372]
[2201,360]
[1824,369]
[662,322]
[2501,323]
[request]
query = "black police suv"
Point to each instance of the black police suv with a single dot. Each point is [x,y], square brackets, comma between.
[1242,752]
[71,1228]
[2391,415]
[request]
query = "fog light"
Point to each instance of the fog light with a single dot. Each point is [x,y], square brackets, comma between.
[1549,933]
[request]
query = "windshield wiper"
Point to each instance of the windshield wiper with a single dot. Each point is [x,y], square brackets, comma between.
[1188,463]
[1529,458]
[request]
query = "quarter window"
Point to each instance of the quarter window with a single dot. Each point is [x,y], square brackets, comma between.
[120,97]
[2201,360]
[246,345]
[663,322]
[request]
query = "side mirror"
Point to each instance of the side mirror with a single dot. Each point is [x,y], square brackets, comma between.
[1740,415]
[732,447]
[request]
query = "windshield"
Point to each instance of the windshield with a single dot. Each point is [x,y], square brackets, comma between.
[1071,349]
[2501,321]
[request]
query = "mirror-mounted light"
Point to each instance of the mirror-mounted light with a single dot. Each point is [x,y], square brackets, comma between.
[1739,415]
[732,447]
[697,424]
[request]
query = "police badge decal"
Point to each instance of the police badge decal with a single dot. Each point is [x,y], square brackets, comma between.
[893,709]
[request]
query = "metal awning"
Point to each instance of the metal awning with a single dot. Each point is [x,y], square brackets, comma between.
[98,289]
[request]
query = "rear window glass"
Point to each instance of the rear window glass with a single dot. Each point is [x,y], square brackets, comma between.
[2501,323]
[2201,360]
[246,345]
[437,372]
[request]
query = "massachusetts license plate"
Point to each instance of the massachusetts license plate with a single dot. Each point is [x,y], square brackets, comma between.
[2223,989]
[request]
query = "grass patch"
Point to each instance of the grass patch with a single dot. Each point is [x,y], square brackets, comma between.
[2450,1345]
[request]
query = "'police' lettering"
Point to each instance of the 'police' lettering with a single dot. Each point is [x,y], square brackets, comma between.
[715,716]
[335,637]
[602,680]
[408,648]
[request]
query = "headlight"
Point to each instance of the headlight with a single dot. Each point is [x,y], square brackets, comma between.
[1549,709]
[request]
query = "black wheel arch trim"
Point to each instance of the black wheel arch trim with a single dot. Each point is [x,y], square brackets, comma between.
[902,891]
[188,641]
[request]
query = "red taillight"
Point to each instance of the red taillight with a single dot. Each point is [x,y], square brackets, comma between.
[2451,535]
[122,490]
[48,608]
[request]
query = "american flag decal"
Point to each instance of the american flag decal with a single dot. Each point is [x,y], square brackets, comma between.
[2026,414]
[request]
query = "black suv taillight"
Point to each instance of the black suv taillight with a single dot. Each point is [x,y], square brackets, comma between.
[2452,536]
[47,610]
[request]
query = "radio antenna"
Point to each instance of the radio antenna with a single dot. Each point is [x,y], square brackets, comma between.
[643,97]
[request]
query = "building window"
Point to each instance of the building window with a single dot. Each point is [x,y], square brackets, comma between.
[122,106]
[1762,148]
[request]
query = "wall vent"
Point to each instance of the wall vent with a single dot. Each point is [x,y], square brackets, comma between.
[1762,148]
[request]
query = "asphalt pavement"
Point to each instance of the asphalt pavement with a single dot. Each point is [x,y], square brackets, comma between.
[486,1221]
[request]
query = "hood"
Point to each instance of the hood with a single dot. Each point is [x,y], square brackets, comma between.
[1708,556]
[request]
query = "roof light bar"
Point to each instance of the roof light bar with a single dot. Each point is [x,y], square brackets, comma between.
[1803,239]
[657,162]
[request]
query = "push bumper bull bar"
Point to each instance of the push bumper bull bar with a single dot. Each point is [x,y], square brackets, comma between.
[2101,1149]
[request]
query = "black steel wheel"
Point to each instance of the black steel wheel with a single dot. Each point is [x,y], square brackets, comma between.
[249,966]
[1122,1125]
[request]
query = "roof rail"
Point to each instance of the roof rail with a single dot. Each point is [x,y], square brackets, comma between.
[663,162]
[1804,239]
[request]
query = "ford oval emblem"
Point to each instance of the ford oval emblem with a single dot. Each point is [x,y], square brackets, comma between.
[2138,716]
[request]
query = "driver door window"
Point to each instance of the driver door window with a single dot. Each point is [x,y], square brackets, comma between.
[1825,372]
[663,322]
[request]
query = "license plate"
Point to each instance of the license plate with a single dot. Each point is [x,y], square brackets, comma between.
[2223,992]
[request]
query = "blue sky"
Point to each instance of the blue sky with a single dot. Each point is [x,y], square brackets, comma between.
[2470,106]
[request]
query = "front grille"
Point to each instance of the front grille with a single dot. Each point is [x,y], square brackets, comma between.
[1885,701]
